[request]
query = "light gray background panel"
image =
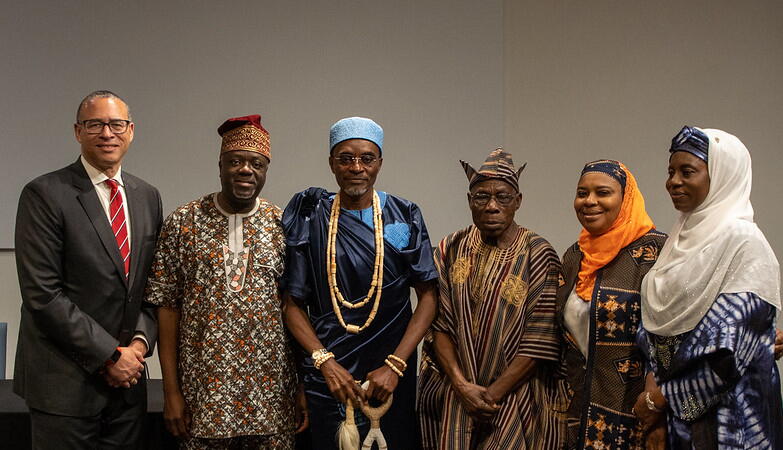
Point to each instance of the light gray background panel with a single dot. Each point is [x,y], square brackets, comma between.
[558,83]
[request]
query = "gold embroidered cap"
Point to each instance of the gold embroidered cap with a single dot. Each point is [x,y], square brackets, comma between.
[245,133]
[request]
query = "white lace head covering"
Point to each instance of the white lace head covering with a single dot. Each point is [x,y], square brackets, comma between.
[715,249]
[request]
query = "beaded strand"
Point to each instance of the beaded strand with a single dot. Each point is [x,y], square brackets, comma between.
[376,285]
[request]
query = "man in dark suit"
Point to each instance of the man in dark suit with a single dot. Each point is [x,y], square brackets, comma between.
[85,237]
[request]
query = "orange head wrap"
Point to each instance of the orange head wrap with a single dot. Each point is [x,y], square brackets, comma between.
[597,251]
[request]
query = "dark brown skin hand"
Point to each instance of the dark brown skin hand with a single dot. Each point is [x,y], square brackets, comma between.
[656,438]
[341,383]
[649,418]
[778,343]
[477,401]
[176,415]
[383,382]
[300,408]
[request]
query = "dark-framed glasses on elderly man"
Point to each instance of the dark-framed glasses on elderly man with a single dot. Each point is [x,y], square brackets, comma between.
[95,126]
[365,160]
[481,199]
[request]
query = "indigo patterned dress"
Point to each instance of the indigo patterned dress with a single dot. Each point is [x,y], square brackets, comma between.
[720,379]
[602,388]
[407,261]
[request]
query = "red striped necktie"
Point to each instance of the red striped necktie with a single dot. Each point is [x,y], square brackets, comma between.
[118,225]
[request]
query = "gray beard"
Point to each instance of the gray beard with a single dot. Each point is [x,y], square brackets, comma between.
[355,192]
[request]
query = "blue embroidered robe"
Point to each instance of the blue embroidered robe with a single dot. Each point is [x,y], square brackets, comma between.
[407,260]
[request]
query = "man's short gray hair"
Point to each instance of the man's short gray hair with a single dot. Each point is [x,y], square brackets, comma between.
[100,94]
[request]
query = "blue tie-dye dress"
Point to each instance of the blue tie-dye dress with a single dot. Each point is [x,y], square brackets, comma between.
[720,379]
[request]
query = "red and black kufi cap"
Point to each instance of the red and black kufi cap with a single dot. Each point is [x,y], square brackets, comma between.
[245,133]
[498,166]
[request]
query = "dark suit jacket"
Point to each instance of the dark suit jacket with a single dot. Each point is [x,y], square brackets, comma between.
[77,306]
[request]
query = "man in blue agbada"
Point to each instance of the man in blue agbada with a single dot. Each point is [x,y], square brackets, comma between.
[347,298]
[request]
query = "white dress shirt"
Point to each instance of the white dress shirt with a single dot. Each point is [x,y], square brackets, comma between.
[103,190]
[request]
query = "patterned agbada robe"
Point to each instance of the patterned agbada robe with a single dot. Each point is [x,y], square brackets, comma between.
[495,305]
[720,379]
[604,386]
[235,365]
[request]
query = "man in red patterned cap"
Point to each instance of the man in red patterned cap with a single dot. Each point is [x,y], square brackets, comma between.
[228,373]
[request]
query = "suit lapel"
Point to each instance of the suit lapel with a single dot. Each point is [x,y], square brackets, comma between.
[135,206]
[92,207]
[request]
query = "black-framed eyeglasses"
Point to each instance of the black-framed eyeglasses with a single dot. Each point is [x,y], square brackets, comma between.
[95,126]
[365,160]
[503,198]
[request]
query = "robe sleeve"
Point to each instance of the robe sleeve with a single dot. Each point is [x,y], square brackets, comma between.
[296,226]
[419,250]
[444,322]
[541,339]
[716,354]
[165,283]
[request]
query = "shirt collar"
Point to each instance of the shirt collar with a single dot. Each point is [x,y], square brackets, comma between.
[97,177]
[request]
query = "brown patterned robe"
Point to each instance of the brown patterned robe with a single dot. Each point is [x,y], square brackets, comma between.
[603,387]
[235,365]
[495,305]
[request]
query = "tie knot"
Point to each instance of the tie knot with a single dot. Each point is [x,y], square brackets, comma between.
[112,183]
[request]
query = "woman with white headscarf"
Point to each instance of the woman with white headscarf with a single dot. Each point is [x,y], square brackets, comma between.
[709,306]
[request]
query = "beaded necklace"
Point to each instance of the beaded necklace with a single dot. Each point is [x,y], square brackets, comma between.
[376,284]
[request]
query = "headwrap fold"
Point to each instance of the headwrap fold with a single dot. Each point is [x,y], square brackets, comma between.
[499,165]
[631,223]
[717,248]
[693,141]
[245,133]
[356,128]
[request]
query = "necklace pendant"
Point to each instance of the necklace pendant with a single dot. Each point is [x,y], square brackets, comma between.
[353,329]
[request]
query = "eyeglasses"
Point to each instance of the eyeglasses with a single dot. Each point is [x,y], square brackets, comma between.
[348,160]
[95,126]
[481,199]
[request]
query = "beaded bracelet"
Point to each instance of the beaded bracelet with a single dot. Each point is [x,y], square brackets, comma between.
[393,368]
[322,359]
[396,358]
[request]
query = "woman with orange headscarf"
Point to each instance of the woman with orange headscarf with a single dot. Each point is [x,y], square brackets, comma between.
[599,308]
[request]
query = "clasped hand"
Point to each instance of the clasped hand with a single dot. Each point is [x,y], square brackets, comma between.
[478,401]
[382,383]
[127,370]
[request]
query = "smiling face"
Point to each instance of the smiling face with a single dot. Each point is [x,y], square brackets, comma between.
[493,204]
[242,176]
[689,181]
[598,201]
[355,178]
[104,150]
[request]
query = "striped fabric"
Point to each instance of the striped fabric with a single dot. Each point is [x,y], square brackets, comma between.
[118,225]
[499,165]
[495,305]
[721,384]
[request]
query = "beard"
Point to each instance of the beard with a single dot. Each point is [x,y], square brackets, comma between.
[355,191]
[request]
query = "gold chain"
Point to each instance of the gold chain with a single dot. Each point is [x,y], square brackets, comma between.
[376,285]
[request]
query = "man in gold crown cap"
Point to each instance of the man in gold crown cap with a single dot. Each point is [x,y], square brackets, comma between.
[228,372]
[484,374]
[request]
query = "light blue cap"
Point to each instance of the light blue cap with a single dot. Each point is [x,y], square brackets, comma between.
[356,128]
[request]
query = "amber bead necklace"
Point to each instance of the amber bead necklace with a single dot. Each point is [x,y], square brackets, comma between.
[376,284]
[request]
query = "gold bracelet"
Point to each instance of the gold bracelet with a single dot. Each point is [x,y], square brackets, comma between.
[393,367]
[396,358]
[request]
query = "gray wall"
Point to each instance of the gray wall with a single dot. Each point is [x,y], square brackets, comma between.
[559,83]
[429,72]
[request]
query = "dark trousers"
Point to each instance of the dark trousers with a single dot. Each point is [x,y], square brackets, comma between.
[117,426]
